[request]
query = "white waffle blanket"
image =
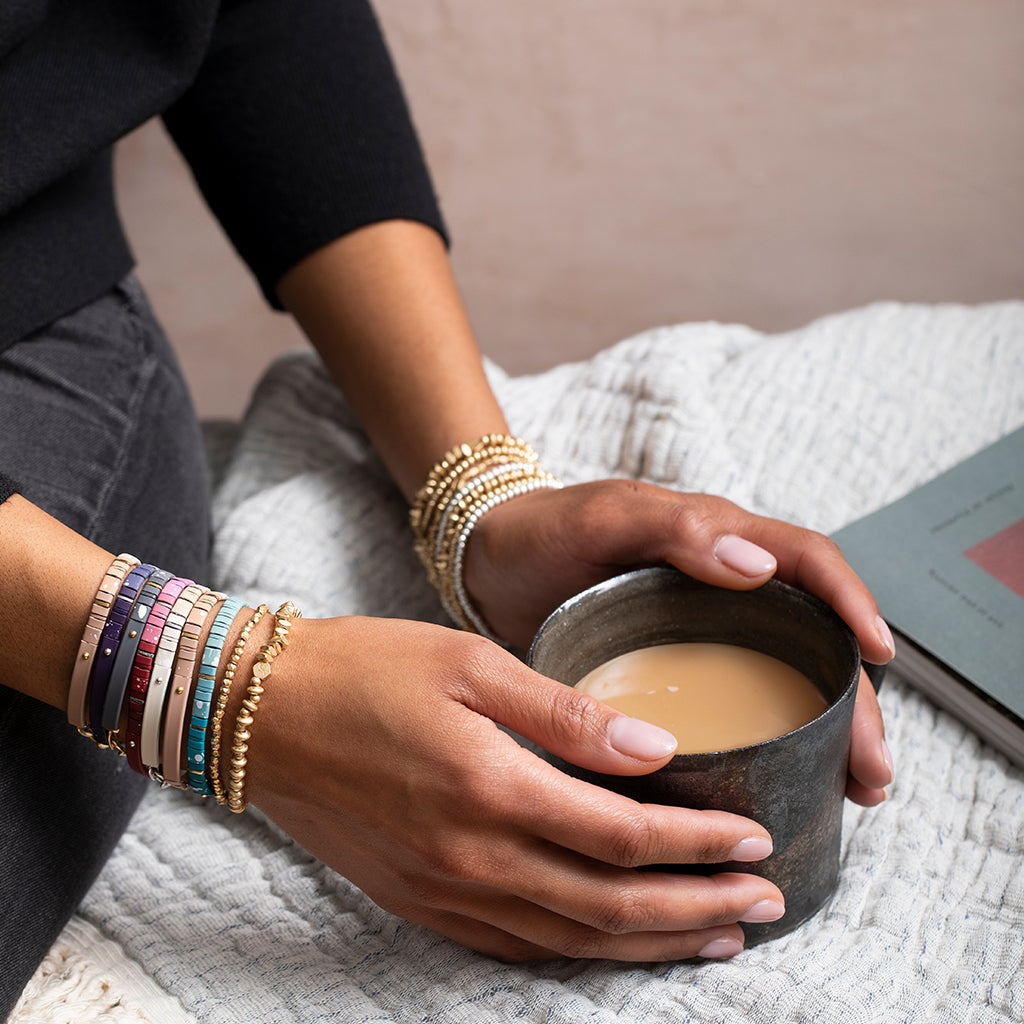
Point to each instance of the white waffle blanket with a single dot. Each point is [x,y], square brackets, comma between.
[205,916]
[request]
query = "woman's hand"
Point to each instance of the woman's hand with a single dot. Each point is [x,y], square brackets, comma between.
[528,555]
[376,749]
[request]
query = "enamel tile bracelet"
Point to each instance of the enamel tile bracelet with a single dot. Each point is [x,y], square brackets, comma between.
[142,686]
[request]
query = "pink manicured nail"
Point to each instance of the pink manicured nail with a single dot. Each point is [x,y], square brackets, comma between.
[751,848]
[887,758]
[885,634]
[719,949]
[764,911]
[641,740]
[744,557]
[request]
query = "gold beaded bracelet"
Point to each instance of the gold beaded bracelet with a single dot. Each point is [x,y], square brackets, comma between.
[452,590]
[235,796]
[469,481]
[465,503]
[463,459]
[213,772]
[486,481]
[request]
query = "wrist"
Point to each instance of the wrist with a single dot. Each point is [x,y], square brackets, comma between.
[49,576]
[468,483]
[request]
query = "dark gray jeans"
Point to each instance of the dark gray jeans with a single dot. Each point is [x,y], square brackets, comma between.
[97,426]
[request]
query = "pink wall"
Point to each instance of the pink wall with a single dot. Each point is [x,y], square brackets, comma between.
[606,167]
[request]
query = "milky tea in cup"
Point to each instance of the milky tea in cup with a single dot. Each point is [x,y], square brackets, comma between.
[709,696]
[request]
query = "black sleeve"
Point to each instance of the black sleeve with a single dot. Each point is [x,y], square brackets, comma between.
[297,131]
[7,487]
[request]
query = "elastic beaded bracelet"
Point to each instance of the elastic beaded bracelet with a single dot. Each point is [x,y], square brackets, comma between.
[468,482]
[243,724]
[142,668]
[101,604]
[213,760]
[204,692]
[464,502]
[160,678]
[455,461]
[446,475]
[492,476]
[120,674]
[453,468]
[457,601]
[172,767]
[112,631]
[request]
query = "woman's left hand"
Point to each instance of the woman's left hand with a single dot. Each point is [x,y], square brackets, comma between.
[528,555]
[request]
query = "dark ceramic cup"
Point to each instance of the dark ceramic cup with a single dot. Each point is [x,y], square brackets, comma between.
[794,784]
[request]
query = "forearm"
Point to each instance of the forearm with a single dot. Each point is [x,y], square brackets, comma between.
[48,578]
[383,310]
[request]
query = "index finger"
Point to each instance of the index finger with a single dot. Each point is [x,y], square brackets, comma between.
[617,830]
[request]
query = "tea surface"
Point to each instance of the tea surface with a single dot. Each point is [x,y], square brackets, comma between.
[709,696]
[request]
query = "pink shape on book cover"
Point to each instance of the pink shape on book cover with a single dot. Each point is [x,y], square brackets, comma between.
[1002,556]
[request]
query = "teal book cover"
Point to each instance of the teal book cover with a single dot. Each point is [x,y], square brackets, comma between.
[946,565]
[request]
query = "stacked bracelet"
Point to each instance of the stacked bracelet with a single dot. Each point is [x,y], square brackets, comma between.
[143,665]
[139,671]
[106,594]
[235,795]
[113,630]
[443,481]
[467,483]
[222,699]
[124,659]
[455,595]
[172,770]
[202,700]
[163,669]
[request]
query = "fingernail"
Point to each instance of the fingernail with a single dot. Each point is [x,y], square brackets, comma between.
[764,911]
[751,848]
[744,557]
[641,740]
[885,635]
[718,949]
[887,758]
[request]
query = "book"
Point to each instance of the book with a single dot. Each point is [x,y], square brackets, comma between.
[946,565]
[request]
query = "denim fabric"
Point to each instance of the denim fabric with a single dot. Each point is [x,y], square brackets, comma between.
[97,426]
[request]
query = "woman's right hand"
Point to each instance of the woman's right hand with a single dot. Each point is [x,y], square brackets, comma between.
[376,749]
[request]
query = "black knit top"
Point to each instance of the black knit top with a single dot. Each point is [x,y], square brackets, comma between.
[288,112]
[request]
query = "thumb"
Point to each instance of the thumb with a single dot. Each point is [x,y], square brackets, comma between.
[577,727]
